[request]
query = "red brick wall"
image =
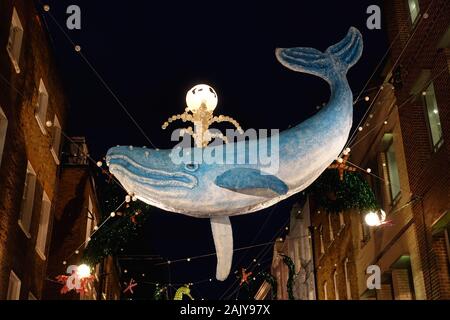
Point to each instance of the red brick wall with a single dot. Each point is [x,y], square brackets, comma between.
[24,140]
[427,170]
[336,252]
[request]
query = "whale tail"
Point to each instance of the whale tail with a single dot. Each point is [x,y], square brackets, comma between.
[336,59]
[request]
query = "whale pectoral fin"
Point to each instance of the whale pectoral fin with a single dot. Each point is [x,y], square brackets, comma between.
[252,182]
[223,240]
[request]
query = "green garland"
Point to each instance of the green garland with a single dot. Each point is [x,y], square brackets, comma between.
[290,284]
[115,233]
[334,195]
[273,283]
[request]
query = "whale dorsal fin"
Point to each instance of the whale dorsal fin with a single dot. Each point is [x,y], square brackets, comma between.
[252,182]
[223,240]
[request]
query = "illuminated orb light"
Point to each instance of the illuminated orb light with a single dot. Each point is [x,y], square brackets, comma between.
[83,271]
[375,219]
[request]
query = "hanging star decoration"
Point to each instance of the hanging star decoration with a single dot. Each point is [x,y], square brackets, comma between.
[244,276]
[341,166]
[133,217]
[184,290]
[129,286]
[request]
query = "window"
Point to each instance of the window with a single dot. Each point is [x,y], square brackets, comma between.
[341,219]
[347,280]
[90,221]
[434,121]
[31,296]
[413,9]
[325,291]
[3,128]
[26,210]
[13,287]
[15,40]
[322,246]
[56,139]
[41,108]
[44,220]
[335,284]
[330,227]
[392,168]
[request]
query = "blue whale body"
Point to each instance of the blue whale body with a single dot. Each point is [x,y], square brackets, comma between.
[220,190]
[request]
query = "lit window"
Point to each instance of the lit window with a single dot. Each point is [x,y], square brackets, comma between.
[392,167]
[335,283]
[322,246]
[434,121]
[14,45]
[347,280]
[90,220]
[13,287]
[26,210]
[413,9]
[44,220]
[341,219]
[41,108]
[56,139]
[3,128]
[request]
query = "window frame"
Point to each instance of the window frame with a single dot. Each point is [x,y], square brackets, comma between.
[3,132]
[335,284]
[43,230]
[391,144]
[16,39]
[41,115]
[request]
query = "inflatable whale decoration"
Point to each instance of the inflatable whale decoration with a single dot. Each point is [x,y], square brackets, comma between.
[218,191]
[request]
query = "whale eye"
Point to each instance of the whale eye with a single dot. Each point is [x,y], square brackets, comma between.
[191,167]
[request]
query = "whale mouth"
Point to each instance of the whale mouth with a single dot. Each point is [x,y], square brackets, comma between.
[138,173]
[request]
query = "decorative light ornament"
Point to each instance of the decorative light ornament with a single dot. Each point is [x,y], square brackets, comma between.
[113,214]
[77,251]
[127,199]
[367,98]
[369,170]
[375,219]
[201,102]
[64,263]
[49,124]
[385,123]
[95,228]
[83,271]
[46,8]
[77,48]
[99,164]
[360,129]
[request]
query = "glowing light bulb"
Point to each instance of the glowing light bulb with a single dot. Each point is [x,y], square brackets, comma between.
[83,271]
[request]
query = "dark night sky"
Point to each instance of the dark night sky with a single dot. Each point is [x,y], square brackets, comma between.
[150,53]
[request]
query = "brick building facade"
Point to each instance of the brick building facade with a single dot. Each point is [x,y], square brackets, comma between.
[77,215]
[30,95]
[424,71]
